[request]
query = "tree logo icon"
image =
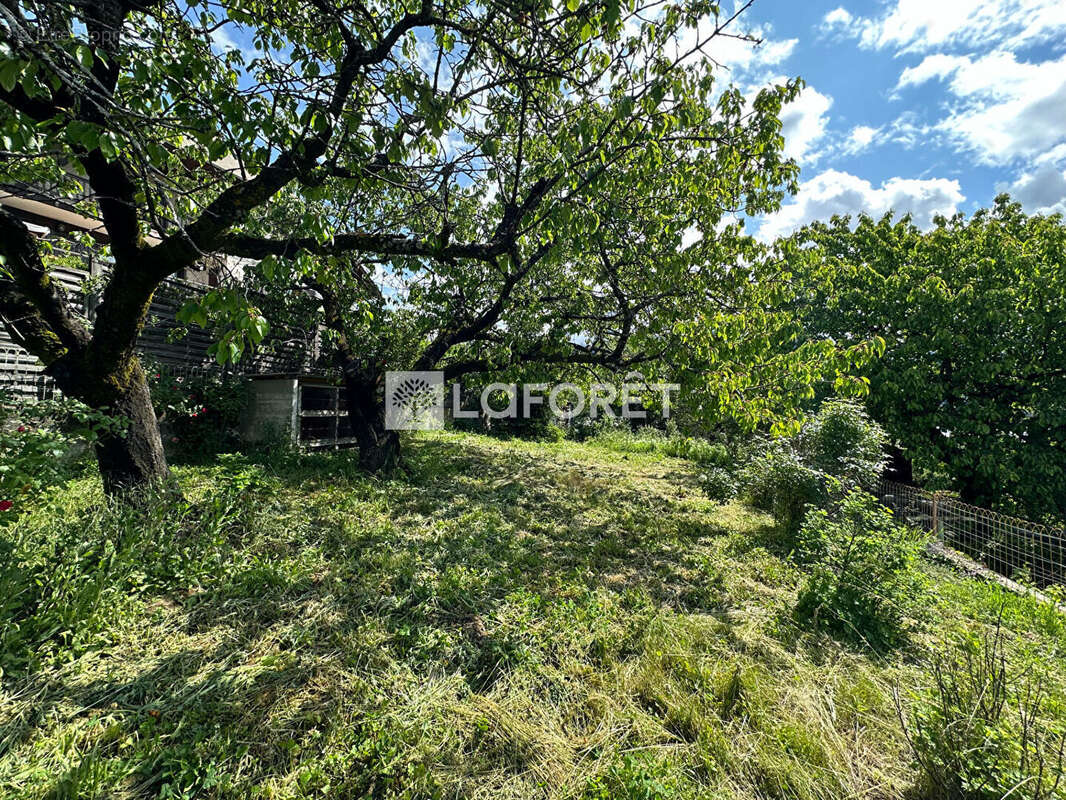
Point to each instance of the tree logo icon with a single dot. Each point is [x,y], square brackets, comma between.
[414,401]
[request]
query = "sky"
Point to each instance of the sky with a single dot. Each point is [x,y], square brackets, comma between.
[920,106]
[912,106]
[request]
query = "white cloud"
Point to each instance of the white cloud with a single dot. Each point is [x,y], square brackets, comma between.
[907,130]
[923,25]
[224,38]
[1056,155]
[936,66]
[839,19]
[690,236]
[1042,191]
[1006,109]
[834,192]
[860,138]
[803,123]
[740,55]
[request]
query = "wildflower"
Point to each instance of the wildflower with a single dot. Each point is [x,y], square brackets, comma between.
[173,438]
[6,505]
[22,428]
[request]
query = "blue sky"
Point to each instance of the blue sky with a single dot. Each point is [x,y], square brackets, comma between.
[920,106]
[926,106]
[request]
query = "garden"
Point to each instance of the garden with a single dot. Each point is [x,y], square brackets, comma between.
[523,399]
[517,618]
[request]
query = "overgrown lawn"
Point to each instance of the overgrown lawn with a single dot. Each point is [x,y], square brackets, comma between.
[504,620]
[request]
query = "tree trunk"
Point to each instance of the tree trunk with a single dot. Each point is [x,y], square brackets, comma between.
[131,457]
[364,378]
[137,458]
[379,448]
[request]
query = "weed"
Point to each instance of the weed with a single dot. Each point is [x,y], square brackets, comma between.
[988,727]
[865,580]
[653,440]
[779,482]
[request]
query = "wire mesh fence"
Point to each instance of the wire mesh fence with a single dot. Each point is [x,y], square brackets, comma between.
[1012,547]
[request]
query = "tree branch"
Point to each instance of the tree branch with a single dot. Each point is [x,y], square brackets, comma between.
[34,307]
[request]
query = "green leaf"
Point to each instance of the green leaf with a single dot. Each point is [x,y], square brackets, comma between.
[9,74]
[84,55]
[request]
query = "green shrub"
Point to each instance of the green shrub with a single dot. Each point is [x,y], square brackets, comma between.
[43,443]
[779,482]
[987,727]
[542,428]
[583,427]
[842,441]
[840,445]
[719,484]
[200,414]
[864,579]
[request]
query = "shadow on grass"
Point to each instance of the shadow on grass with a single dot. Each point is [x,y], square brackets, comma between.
[332,580]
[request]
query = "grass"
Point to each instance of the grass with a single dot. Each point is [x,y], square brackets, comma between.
[506,620]
[647,439]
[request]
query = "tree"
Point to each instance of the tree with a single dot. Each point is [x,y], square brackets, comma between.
[182,146]
[973,380]
[528,169]
[599,275]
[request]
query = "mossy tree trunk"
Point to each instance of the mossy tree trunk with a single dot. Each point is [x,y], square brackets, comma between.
[379,448]
[101,371]
[134,458]
[132,455]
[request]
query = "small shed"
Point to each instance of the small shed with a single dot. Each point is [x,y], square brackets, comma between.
[305,409]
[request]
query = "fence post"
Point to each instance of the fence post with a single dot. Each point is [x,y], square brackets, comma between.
[936,515]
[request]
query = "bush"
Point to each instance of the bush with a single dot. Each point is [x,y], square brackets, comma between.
[864,580]
[583,427]
[984,729]
[43,443]
[779,482]
[199,414]
[840,445]
[842,441]
[542,428]
[719,485]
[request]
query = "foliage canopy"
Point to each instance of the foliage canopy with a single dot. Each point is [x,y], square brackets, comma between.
[973,380]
